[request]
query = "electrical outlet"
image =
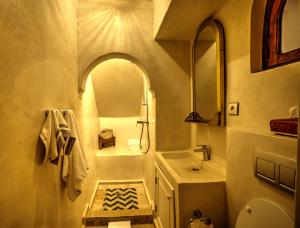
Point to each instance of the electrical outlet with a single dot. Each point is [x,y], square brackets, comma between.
[233,109]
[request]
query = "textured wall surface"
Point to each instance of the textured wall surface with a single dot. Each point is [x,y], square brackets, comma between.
[38,68]
[242,186]
[180,18]
[160,8]
[106,26]
[123,129]
[263,96]
[118,86]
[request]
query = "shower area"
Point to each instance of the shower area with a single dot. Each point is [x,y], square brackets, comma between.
[126,107]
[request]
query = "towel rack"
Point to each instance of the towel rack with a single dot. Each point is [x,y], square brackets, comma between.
[63,112]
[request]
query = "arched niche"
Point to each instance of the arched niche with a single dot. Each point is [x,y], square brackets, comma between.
[267,32]
[113,55]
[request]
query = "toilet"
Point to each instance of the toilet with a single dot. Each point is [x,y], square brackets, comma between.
[259,213]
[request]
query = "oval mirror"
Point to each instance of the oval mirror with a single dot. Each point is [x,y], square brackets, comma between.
[208,73]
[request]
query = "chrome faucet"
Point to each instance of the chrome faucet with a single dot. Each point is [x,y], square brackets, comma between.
[205,150]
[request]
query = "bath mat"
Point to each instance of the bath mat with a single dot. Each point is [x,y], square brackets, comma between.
[120,199]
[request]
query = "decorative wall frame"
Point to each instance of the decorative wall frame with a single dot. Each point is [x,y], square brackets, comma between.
[272,55]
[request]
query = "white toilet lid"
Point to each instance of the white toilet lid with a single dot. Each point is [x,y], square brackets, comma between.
[260,213]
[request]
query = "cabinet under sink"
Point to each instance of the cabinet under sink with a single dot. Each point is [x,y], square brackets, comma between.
[164,200]
[183,184]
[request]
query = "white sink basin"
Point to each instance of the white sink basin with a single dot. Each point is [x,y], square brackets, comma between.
[187,166]
[196,184]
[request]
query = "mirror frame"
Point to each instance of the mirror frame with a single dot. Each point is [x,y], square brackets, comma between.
[220,55]
[272,55]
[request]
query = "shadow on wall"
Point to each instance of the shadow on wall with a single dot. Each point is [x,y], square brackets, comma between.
[119,86]
[109,56]
[126,26]
[177,49]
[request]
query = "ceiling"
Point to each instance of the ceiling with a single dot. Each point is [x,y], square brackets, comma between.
[183,17]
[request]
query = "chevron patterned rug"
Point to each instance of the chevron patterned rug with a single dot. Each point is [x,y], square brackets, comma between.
[120,199]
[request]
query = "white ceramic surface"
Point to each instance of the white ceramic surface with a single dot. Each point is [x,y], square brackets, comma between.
[120,167]
[261,213]
[187,166]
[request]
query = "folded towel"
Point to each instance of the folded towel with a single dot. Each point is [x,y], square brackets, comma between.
[75,164]
[55,136]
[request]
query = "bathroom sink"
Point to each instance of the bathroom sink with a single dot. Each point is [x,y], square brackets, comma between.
[184,164]
[187,166]
[195,183]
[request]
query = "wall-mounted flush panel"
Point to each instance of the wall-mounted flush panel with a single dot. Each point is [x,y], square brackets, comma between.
[287,177]
[265,169]
[233,108]
[277,170]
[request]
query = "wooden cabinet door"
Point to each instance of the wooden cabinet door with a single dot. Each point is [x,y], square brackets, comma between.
[164,200]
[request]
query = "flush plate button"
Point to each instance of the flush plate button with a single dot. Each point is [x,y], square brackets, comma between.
[277,170]
[287,177]
[265,169]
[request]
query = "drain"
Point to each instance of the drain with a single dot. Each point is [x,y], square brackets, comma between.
[195,169]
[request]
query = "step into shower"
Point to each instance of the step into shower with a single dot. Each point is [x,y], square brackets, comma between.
[119,201]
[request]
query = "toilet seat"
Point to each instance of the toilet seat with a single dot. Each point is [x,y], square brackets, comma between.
[259,213]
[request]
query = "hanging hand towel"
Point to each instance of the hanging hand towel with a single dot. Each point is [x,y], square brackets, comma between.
[55,136]
[74,164]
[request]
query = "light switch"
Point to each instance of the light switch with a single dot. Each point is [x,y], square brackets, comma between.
[287,176]
[265,169]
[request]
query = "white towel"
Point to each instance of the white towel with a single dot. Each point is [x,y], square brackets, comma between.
[120,224]
[75,165]
[199,224]
[55,136]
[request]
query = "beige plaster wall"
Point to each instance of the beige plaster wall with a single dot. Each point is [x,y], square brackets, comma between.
[124,128]
[38,68]
[263,96]
[106,26]
[241,184]
[118,87]
[160,8]
[149,170]
[180,19]
[214,137]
